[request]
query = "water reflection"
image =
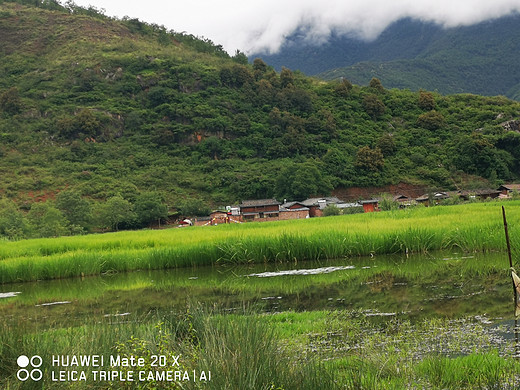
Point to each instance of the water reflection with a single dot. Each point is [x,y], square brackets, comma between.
[382,287]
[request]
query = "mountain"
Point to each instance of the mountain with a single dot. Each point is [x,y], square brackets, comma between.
[121,112]
[481,59]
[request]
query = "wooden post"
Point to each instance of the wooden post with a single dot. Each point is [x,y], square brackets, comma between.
[510,258]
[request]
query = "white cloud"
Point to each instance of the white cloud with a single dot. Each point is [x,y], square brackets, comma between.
[264,25]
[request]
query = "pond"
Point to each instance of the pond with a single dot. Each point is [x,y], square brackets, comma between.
[417,287]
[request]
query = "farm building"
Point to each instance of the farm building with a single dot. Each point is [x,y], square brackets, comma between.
[293,210]
[317,205]
[434,198]
[262,209]
[371,205]
[507,190]
[403,200]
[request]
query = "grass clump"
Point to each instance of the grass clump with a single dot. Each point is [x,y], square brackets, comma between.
[240,351]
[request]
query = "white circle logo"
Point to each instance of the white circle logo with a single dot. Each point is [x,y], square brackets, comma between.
[36,361]
[23,374]
[23,361]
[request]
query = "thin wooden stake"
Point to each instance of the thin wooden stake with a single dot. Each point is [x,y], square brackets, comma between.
[510,259]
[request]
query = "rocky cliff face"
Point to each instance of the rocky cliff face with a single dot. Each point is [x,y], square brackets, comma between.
[513,125]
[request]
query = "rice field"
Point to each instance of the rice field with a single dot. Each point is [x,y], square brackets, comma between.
[344,341]
[470,228]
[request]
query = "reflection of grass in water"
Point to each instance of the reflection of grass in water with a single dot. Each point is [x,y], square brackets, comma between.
[318,350]
[473,227]
[428,281]
[439,268]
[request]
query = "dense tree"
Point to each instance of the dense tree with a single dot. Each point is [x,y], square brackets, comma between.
[426,100]
[343,88]
[149,207]
[286,77]
[12,222]
[10,101]
[387,144]
[331,210]
[259,67]
[193,206]
[373,106]
[477,155]
[300,181]
[76,209]
[47,221]
[431,120]
[376,85]
[369,159]
[115,212]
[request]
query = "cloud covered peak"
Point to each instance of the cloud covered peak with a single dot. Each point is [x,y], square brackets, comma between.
[265,26]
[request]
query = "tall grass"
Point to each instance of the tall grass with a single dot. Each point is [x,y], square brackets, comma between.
[473,227]
[242,352]
[318,350]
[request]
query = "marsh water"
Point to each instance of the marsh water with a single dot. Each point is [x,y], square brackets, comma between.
[384,286]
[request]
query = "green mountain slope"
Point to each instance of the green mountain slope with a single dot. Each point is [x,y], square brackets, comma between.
[108,108]
[481,59]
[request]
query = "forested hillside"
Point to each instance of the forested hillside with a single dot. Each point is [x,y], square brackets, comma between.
[482,58]
[120,111]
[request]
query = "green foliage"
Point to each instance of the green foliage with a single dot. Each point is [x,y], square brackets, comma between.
[386,202]
[373,106]
[369,159]
[10,101]
[431,120]
[77,210]
[115,212]
[193,207]
[386,143]
[376,85]
[144,109]
[47,221]
[149,207]
[426,100]
[300,181]
[343,88]
[331,210]
[12,223]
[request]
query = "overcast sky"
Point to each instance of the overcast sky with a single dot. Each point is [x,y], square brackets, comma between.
[262,25]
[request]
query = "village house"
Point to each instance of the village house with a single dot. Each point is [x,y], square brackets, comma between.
[260,210]
[507,190]
[403,200]
[293,210]
[371,205]
[479,194]
[433,198]
[317,205]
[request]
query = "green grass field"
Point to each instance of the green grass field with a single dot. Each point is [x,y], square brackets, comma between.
[470,227]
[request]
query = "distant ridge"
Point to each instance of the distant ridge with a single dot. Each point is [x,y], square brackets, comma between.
[481,59]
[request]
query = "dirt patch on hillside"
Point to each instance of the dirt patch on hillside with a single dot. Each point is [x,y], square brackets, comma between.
[356,193]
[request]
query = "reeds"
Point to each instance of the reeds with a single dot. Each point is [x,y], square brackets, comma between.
[241,352]
[316,350]
[472,227]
